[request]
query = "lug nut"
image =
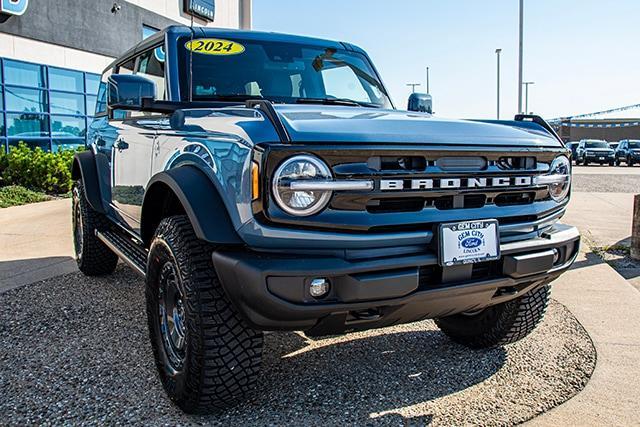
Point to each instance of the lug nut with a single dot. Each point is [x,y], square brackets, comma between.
[319,287]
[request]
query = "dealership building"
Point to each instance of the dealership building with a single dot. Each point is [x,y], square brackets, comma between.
[53,51]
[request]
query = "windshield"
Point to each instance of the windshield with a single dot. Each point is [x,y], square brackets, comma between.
[634,144]
[279,72]
[596,144]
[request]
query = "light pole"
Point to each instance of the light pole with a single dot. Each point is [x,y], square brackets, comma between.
[520,57]
[413,86]
[498,84]
[427,80]
[526,96]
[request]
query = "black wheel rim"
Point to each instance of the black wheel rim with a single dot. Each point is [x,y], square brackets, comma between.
[171,316]
[77,223]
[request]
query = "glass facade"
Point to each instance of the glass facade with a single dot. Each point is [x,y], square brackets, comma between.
[47,107]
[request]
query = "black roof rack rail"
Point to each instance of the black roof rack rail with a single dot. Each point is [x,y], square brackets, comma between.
[267,109]
[538,120]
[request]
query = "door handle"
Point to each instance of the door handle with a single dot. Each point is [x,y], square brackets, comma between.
[121,144]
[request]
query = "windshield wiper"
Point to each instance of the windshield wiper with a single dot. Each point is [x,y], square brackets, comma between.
[331,101]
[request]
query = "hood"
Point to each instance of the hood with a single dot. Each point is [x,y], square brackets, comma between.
[323,123]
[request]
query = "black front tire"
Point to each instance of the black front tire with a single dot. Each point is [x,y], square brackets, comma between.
[207,357]
[94,258]
[500,324]
[629,162]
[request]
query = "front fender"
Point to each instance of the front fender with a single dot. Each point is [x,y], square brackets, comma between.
[84,168]
[198,197]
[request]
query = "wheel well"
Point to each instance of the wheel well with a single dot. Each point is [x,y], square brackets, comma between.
[160,202]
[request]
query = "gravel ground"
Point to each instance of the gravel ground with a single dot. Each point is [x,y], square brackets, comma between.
[605,183]
[75,350]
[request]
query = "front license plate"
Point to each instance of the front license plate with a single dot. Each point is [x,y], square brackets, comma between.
[469,242]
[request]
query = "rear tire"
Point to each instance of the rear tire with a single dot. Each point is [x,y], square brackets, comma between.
[500,324]
[94,258]
[207,357]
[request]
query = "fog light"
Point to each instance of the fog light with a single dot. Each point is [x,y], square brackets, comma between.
[556,256]
[319,287]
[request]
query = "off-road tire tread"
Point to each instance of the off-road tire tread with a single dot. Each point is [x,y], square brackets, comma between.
[227,353]
[501,324]
[97,259]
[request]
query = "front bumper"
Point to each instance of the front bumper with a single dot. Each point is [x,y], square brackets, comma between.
[599,158]
[271,290]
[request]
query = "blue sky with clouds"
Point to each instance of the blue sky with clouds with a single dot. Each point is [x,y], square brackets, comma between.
[582,55]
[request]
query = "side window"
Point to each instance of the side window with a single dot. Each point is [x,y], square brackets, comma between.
[127,67]
[152,67]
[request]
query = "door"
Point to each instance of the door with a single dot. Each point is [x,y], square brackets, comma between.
[131,165]
[135,136]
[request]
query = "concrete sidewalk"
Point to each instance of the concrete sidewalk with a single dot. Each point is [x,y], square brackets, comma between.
[608,308]
[603,218]
[35,243]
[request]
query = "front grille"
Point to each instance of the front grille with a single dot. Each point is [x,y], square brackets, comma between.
[513,199]
[418,186]
[443,203]
[395,205]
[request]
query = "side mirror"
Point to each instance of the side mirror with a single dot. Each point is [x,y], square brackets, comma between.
[127,91]
[421,102]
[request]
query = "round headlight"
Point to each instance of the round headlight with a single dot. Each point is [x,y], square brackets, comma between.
[559,178]
[300,169]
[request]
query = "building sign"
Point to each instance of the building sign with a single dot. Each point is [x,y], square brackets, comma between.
[205,9]
[14,7]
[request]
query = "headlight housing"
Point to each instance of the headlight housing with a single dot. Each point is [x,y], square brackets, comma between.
[558,179]
[301,202]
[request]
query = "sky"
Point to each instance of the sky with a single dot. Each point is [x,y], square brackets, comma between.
[583,55]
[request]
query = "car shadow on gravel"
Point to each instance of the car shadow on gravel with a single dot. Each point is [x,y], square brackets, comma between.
[76,348]
[365,376]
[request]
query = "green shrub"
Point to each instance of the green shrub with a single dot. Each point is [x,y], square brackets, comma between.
[14,195]
[37,169]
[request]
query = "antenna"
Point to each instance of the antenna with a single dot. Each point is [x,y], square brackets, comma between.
[191,61]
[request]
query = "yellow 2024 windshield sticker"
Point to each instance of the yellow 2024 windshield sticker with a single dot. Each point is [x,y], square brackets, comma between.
[214,47]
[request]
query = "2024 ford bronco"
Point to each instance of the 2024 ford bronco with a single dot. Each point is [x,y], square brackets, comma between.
[265,182]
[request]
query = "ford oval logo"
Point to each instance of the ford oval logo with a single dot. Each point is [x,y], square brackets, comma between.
[471,242]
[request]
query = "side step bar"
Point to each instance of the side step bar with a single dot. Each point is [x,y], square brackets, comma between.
[129,252]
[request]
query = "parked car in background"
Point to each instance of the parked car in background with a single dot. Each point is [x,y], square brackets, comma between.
[594,151]
[573,146]
[628,151]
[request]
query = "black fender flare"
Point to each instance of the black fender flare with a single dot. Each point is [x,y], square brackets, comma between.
[200,200]
[84,168]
